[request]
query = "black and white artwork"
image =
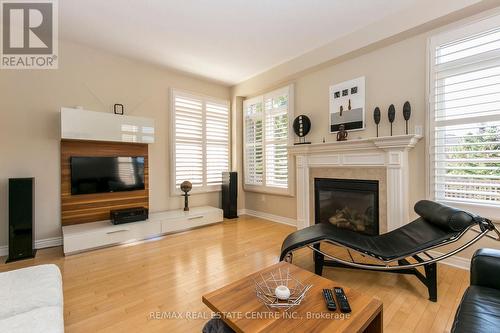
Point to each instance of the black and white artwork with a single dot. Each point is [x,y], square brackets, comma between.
[347,105]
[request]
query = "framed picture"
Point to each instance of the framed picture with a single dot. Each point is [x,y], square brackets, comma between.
[347,105]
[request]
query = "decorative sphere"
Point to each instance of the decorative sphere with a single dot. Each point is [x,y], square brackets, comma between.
[282,292]
[186,186]
[302,125]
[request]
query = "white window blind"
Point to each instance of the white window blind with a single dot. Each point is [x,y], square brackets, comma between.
[217,141]
[266,136]
[254,143]
[201,141]
[276,140]
[465,115]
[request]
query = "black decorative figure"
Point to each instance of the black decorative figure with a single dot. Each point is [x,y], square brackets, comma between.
[376,117]
[186,186]
[301,127]
[392,115]
[407,113]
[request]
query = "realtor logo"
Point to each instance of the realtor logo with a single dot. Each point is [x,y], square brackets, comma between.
[29,34]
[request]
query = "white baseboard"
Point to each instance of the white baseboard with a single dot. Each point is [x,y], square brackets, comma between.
[455,261]
[48,242]
[270,217]
[39,244]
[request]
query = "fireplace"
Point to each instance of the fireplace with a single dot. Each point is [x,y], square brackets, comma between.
[347,203]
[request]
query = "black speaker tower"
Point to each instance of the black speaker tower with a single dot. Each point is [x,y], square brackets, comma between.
[21,211]
[230,194]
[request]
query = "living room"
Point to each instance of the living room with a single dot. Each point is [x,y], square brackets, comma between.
[235,166]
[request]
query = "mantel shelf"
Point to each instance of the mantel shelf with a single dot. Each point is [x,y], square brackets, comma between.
[396,142]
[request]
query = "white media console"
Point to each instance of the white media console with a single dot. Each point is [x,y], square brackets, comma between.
[83,237]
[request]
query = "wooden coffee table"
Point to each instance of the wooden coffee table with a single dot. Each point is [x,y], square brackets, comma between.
[243,312]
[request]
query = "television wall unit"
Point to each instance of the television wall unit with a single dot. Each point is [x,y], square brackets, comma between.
[87,133]
[85,208]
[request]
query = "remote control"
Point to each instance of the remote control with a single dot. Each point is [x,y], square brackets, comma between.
[342,300]
[330,302]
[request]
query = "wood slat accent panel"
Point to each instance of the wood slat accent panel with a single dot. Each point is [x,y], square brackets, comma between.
[85,208]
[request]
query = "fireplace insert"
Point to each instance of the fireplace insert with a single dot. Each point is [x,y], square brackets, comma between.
[347,204]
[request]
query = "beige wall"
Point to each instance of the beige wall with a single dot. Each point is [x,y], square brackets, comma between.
[394,74]
[29,122]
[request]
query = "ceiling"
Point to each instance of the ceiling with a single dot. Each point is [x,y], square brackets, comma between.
[223,40]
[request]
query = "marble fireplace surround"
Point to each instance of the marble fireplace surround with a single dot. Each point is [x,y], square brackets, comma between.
[364,156]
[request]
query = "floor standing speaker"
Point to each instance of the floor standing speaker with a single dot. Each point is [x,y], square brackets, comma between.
[230,194]
[21,212]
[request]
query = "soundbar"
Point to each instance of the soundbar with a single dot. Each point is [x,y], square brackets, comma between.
[128,215]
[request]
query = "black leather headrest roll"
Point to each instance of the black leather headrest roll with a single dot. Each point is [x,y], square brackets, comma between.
[445,217]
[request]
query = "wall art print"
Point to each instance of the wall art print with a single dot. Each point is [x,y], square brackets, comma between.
[347,105]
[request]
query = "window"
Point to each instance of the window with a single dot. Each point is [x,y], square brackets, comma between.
[464,117]
[200,141]
[266,126]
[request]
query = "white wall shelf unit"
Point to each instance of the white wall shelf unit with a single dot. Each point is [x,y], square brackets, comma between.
[79,124]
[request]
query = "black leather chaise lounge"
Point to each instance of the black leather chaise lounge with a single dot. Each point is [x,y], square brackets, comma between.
[437,225]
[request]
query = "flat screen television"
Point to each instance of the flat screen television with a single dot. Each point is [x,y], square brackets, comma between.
[106,174]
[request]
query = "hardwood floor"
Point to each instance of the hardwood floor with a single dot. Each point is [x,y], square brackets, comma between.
[117,289]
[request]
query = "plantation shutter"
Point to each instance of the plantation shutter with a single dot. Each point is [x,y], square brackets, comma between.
[201,136]
[276,138]
[188,140]
[266,124]
[254,135]
[217,138]
[465,116]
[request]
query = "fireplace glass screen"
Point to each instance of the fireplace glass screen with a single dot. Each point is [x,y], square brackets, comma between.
[347,204]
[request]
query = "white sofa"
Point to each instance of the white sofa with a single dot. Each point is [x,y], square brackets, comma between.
[31,300]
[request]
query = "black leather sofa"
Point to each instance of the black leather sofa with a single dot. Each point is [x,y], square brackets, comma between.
[479,310]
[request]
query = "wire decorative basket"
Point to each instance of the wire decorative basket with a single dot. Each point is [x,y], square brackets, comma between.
[265,289]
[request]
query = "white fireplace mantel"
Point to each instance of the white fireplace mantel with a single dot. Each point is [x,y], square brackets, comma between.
[389,152]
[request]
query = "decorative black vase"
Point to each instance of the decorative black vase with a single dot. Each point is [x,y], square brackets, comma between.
[392,115]
[407,113]
[376,117]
